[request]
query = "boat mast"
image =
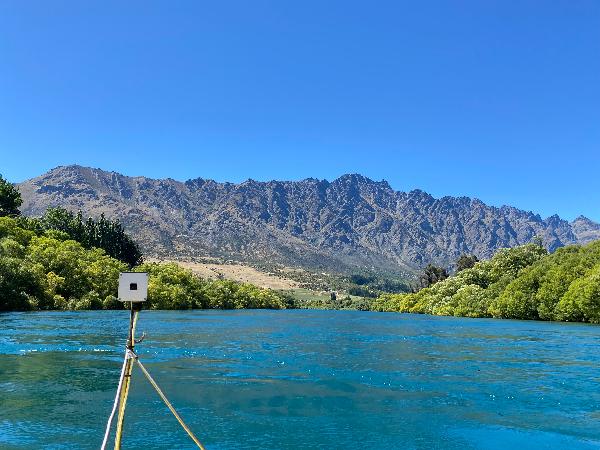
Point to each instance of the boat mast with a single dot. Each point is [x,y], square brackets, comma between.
[133,288]
[124,393]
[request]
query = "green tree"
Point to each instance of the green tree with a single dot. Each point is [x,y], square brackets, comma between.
[9,227]
[172,287]
[75,273]
[475,292]
[432,274]
[582,300]
[10,199]
[102,233]
[43,268]
[465,262]
[470,301]
[21,285]
[539,288]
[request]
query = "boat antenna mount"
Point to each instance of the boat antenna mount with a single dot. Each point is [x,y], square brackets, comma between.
[133,289]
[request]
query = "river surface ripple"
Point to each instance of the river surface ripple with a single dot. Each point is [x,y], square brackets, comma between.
[301,379]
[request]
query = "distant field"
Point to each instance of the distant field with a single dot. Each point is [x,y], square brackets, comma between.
[239,272]
[307,295]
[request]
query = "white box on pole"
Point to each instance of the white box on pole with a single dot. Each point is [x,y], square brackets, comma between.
[133,286]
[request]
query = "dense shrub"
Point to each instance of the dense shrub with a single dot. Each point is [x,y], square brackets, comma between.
[582,301]
[520,283]
[173,287]
[103,233]
[48,270]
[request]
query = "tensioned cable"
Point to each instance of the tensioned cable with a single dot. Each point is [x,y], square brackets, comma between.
[116,403]
[168,403]
[121,397]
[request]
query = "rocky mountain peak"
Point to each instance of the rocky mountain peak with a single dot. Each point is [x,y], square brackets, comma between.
[348,224]
[585,229]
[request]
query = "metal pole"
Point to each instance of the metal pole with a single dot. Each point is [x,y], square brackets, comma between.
[135,309]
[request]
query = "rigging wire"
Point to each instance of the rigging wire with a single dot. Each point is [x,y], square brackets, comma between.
[169,405]
[116,403]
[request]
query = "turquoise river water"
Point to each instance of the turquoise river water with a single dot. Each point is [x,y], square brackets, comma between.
[301,380]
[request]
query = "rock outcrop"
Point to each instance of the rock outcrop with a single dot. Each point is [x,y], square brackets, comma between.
[341,225]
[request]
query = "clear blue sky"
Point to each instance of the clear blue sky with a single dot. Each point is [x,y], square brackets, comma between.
[494,99]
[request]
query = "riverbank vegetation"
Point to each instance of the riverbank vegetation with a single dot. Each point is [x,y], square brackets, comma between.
[44,270]
[519,283]
[103,233]
[63,261]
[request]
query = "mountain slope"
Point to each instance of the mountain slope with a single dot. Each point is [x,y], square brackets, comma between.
[585,230]
[344,224]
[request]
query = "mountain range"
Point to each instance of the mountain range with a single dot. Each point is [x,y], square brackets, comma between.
[348,224]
